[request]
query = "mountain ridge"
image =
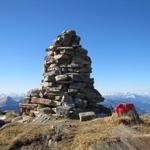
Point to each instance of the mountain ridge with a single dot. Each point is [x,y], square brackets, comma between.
[142,102]
[10,103]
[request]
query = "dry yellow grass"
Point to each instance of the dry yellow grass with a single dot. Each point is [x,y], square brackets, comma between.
[144,127]
[76,135]
[100,130]
[10,115]
[93,131]
[23,134]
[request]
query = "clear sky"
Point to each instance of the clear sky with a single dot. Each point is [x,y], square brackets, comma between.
[115,32]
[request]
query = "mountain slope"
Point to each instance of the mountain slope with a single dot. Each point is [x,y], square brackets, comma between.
[142,102]
[8,103]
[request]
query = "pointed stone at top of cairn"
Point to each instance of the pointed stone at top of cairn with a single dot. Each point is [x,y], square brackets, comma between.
[67,88]
[66,39]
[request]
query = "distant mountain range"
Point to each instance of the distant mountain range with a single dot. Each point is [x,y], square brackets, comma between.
[141,102]
[10,102]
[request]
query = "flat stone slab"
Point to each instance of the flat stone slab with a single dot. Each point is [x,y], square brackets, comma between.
[29,106]
[42,101]
[87,116]
[61,77]
[66,47]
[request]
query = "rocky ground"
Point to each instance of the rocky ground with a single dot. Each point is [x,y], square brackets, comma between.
[108,133]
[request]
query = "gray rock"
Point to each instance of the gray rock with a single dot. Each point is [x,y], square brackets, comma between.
[67,38]
[134,116]
[27,99]
[115,145]
[93,95]
[75,65]
[57,132]
[69,48]
[46,110]
[47,84]
[42,101]
[126,138]
[77,77]
[80,95]
[53,65]
[80,103]
[33,93]
[123,131]
[67,51]
[61,56]
[63,111]
[82,70]
[67,100]
[55,89]
[61,77]
[24,108]
[72,91]
[77,85]
[52,144]
[77,60]
[51,73]
[49,58]
[82,51]
[58,97]
[49,79]
[86,116]
[50,53]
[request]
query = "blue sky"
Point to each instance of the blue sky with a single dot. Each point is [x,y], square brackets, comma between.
[115,32]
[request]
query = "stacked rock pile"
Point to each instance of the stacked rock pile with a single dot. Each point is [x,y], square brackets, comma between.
[66,86]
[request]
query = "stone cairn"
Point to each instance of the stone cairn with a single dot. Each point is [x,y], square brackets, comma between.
[66,87]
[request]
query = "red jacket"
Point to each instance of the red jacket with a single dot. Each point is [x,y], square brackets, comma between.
[124,108]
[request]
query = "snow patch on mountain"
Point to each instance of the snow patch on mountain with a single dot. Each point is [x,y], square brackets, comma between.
[142,102]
